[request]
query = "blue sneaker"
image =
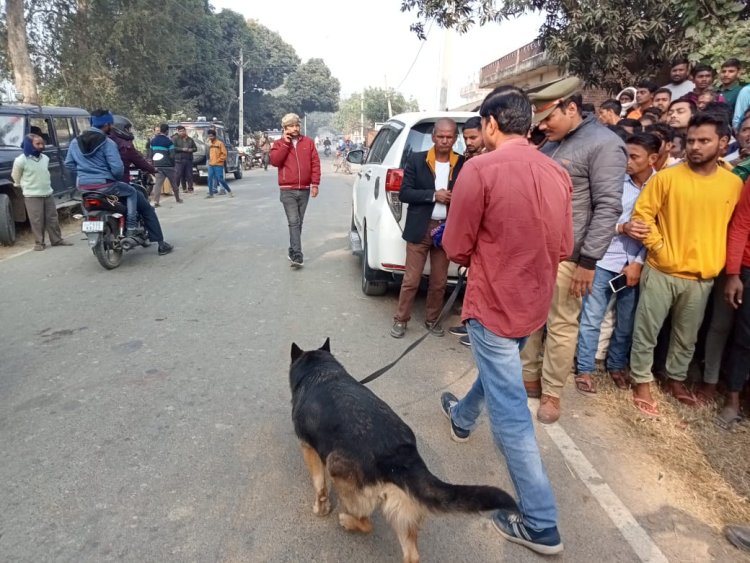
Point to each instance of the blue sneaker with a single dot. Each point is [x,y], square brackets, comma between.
[511,527]
[447,402]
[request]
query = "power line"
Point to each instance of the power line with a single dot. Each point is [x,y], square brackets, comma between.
[426,36]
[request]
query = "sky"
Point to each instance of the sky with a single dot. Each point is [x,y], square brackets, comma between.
[367,43]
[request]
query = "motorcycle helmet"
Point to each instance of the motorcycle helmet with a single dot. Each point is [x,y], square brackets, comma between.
[123,127]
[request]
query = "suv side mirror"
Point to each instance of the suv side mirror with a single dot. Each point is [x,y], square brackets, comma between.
[356,156]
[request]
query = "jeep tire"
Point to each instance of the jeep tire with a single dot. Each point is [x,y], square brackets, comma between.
[7,224]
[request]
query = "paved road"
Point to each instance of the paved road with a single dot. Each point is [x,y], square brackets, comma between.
[145,412]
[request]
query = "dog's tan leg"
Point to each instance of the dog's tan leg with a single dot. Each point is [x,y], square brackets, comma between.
[354,524]
[404,514]
[322,504]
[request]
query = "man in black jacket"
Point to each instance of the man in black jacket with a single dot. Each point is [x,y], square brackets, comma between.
[161,151]
[426,188]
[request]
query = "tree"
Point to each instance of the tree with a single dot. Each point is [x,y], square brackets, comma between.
[607,43]
[23,70]
[311,87]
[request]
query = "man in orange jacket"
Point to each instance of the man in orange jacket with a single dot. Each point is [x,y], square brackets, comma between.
[299,176]
[217,156]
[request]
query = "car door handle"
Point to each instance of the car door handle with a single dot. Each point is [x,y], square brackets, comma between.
[368,174]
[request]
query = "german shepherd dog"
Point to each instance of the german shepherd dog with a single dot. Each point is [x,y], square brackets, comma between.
[370,454]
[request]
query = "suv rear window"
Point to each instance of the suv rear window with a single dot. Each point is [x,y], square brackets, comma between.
[11,130]
[420,140]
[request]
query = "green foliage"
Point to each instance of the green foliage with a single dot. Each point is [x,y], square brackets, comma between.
[312,88]
[150,61]
[610,43]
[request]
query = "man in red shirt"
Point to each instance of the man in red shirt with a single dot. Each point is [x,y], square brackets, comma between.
[511,221]
[737,293]
[299,176]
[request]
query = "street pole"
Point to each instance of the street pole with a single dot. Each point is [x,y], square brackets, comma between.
[241,129]
[362,115]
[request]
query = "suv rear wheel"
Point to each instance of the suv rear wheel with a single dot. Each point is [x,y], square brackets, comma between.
[372,282]
[7,224]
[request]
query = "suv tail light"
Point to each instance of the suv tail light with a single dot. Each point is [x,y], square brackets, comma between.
[393,179]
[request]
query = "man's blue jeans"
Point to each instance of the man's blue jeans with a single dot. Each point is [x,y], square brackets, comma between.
[500,385]
[216,176]
[592,315]
[123,190]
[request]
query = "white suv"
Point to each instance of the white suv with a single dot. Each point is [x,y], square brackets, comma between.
[378,216]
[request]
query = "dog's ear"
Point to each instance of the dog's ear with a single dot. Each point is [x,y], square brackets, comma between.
[296,352]
[326,345]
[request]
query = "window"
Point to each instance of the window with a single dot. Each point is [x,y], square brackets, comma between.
[82,123]
[420,140]
[11,130]
[41,126]
[382,143]
[63,131]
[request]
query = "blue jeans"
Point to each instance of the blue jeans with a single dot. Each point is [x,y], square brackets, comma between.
[216,176]
[592,315]
[500,385]
[150,220]
[122,190]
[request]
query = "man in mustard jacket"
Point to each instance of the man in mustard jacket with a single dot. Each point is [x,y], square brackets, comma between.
[217,156]
[687,209]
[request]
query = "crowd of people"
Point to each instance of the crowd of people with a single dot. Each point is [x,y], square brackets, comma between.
[617,236]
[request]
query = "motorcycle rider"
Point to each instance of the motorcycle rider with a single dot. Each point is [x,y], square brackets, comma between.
[95,159]
[327,147]
[121,134]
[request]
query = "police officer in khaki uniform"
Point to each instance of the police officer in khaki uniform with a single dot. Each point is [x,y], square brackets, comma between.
[596,159]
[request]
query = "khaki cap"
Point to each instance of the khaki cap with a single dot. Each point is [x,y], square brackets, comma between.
[545,101]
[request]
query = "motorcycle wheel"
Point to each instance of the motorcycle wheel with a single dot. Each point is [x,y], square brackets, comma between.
[106,253]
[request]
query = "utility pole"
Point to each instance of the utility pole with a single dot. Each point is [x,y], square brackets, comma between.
[242,100]
[362,115]
[444,71]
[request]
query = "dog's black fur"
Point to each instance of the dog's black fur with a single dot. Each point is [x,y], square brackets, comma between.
[357,434]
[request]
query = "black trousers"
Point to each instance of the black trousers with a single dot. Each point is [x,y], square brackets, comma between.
[739,354]
[183,175]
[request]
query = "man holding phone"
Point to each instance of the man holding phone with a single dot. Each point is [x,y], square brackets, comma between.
[618,272]
[299,177]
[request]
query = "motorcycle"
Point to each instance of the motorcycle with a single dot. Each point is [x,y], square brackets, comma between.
[104,226]
[257,159]
[327,150]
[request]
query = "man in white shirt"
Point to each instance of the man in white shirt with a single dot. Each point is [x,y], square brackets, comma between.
[679,73]
[426,188]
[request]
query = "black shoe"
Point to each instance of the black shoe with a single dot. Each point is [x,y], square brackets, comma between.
[465,340]
[297,261]
[398,330]
[447,402]
[458,330]
[434,328]
[165,248]
[511,527]
[739,536]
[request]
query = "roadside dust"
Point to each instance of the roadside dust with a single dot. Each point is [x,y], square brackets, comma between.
[711,462]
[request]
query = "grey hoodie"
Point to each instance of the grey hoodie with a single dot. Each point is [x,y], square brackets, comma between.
[596,159]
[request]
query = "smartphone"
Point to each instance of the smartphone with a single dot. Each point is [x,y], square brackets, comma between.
[618,283]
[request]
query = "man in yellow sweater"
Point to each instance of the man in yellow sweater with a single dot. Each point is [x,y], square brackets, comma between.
[687,208]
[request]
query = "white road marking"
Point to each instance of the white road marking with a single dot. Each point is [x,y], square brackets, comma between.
[644,547]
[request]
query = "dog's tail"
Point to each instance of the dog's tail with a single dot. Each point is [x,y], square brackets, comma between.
[439,496]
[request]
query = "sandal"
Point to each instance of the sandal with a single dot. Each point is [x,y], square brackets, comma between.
[648,408]
[585,384]
[679,391]
[620,378]
[727,419]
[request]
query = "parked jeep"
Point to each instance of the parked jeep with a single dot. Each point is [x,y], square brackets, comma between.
[58,127]
[198,130]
